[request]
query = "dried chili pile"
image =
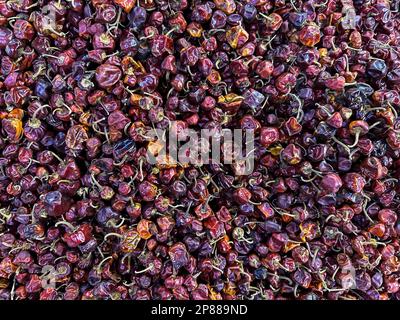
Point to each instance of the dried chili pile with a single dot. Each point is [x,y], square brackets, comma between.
[85,215]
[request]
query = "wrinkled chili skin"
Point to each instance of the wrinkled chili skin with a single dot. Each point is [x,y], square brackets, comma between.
[316,81]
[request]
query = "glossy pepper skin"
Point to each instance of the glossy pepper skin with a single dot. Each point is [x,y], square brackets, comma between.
[316,83]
